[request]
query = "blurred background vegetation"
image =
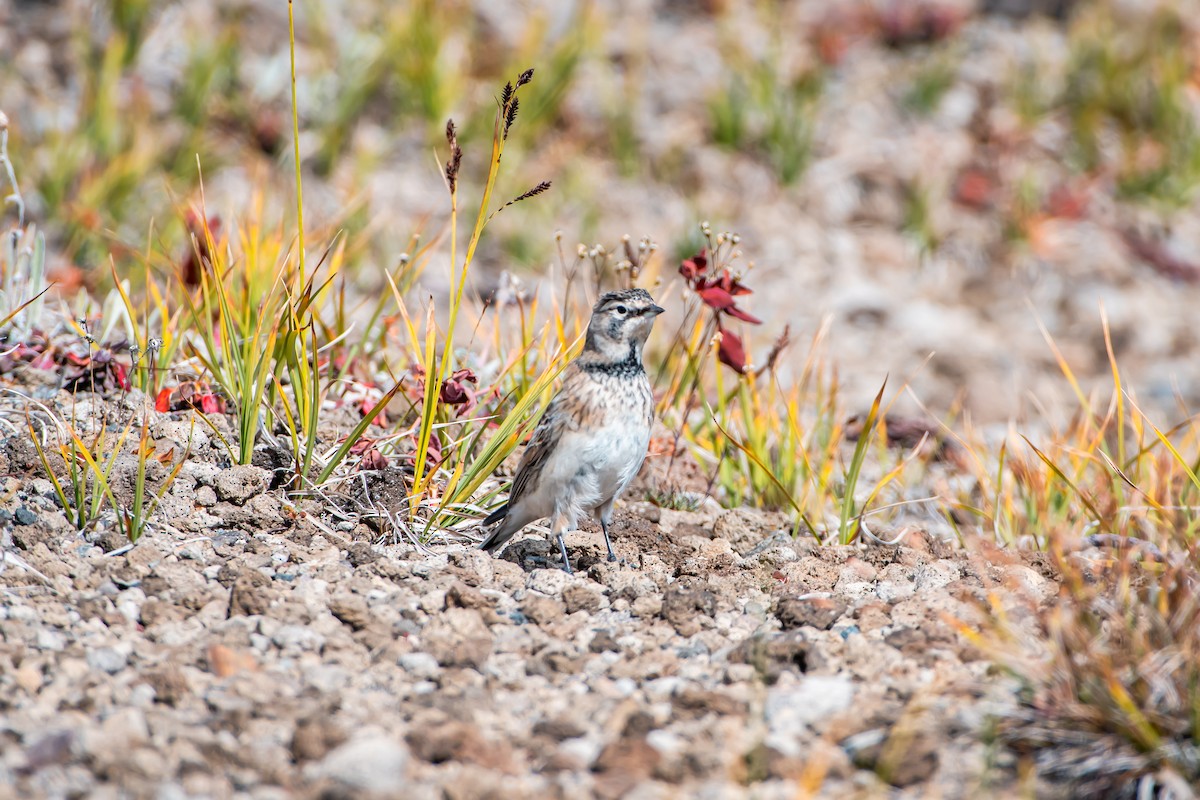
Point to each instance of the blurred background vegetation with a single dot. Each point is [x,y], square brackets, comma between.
[931,175]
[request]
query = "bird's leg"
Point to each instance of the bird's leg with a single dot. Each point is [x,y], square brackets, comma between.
[562,524]
[562,548]
[607,542]
[605,518]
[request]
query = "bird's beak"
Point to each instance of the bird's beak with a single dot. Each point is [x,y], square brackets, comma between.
[654,311]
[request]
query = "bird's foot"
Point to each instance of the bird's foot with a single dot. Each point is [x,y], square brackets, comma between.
[607,541]
[566,562]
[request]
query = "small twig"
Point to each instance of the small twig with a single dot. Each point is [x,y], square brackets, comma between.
[899,503]
[862,527]
[813,596]
[186,542]
[17,561]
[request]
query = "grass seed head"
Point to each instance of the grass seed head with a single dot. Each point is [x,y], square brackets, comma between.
[454,163]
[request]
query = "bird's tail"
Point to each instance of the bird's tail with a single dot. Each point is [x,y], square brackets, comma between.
[497,515]
[498,536]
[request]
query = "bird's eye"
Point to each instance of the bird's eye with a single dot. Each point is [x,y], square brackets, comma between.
[622,310]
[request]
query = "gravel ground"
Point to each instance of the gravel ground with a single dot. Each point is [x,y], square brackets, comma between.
[246,647]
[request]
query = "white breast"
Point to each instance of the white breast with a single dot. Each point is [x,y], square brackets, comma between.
[589,468]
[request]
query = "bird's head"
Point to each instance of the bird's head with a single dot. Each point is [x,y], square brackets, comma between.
[621,323]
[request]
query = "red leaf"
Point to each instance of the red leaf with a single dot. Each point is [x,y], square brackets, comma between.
[162,403]
[719,299]
[365,408]
[373,460]
[905,22]
[435,449]
[211,404]
[456,390]
[196,257]
[731,352]
[121,374]
[694,268]
[975,189]
[732,284]
[831,44]
[737,313]
[716,297]
[1068,202]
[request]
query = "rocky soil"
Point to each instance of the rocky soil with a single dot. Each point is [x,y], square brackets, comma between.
[253,647]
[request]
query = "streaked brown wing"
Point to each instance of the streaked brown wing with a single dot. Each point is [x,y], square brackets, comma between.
[564,413]
[547,433]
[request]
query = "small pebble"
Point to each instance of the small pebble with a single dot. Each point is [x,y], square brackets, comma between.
[107,659]
[50,640]
[421,666]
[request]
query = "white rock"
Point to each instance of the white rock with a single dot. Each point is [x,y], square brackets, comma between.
[372,763]
[666,742]
[853,589]
[193,551]
[433,601]
[125,727]
[184,432]
[170,791]
[421,666]
[892,592]
[238,484]
[790,709]
[1027,581]
[583,749]
[550,582]
[198,471]
[107,659]
[129,603]
[327,678]
[935,575]
[508,669]
[50,640]
[298,637]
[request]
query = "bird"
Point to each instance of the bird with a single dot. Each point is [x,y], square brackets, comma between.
[592,438]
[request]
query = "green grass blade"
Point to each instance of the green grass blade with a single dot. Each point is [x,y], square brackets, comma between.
[856,462]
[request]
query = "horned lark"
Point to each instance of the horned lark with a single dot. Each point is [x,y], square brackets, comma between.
[593,437]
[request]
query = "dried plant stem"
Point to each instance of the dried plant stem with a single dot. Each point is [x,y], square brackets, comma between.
[296,140]
[437,369]
[15,197]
